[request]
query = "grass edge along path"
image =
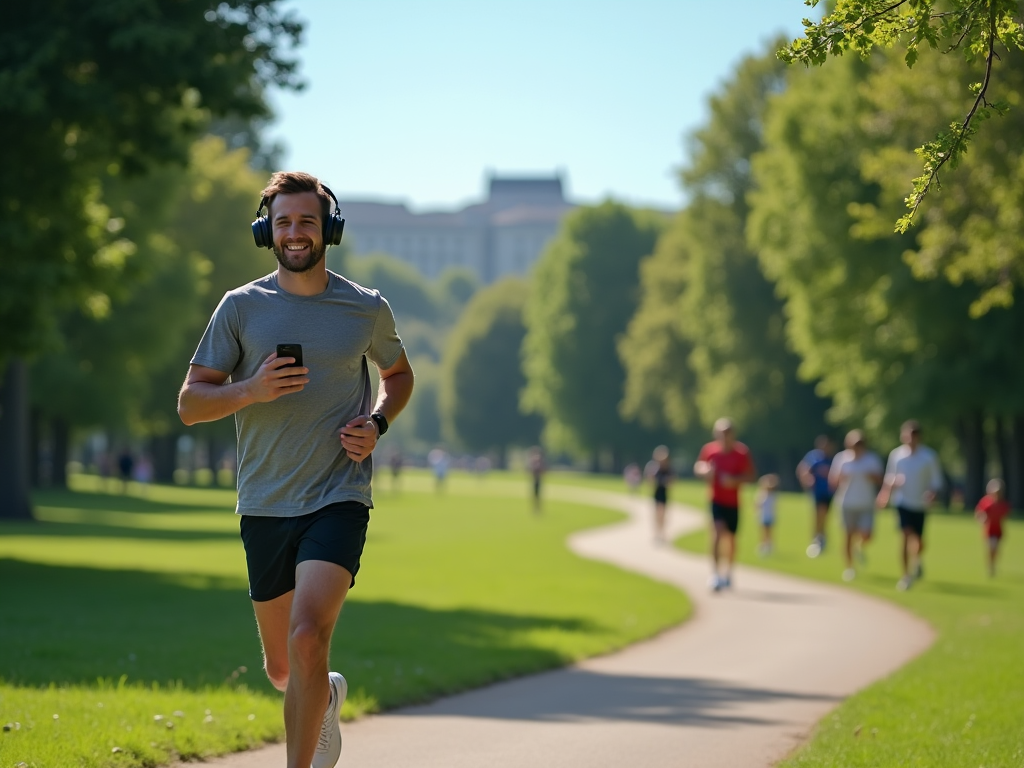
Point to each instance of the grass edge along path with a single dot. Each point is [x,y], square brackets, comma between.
[131,722]
[961,702]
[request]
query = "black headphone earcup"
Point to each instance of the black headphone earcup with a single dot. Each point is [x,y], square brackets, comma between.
[261,232]
[334,229]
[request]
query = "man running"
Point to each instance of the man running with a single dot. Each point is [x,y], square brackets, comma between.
[812,472]
[726,464]
[305,433]
[912,479]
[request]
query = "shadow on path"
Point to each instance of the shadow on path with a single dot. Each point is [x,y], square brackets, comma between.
[579,695]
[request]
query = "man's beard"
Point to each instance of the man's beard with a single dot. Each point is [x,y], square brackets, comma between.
[313,258]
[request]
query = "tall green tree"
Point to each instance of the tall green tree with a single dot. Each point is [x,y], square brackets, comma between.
[885,345]
[94,88]
[585,290]
[121,372]
[102,371]
[481,378]
[708,337]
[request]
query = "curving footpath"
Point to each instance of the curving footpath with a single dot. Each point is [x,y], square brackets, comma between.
[740,684]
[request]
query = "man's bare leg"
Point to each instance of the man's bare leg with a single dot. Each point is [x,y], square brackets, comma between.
[729,544]
[296,632]
[272,618]
[716,543]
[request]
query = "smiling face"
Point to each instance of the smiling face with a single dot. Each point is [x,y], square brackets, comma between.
[298,231]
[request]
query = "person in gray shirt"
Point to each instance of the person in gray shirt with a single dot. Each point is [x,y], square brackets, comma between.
[306,430]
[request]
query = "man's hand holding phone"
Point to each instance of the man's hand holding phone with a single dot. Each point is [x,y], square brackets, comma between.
[278,376]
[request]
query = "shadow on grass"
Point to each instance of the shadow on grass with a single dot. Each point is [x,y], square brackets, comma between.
[44,529]
[962,590]
[77,625]
[583,695]
[113,502]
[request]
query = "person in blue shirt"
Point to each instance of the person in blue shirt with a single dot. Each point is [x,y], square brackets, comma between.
[812,472]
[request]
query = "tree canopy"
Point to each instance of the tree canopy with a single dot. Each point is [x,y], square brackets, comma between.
[585,291]
[91,89]
[481,378]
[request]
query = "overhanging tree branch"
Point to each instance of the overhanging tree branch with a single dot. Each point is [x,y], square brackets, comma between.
[936,154]
[863,24]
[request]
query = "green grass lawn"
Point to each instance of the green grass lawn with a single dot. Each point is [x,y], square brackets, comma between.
[959,704]
[128,639]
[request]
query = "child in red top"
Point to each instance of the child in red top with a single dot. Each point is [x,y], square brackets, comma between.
[991,510]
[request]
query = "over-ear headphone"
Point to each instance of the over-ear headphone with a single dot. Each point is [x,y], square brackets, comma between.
[263,232]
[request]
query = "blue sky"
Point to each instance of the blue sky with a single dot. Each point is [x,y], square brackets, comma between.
[419,101]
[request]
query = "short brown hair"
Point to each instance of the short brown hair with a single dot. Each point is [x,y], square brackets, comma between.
[296,182]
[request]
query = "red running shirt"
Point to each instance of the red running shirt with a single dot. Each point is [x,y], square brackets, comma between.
[994,511]
[735,461]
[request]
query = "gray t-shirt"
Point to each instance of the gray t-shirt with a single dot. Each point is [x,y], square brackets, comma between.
[290,458]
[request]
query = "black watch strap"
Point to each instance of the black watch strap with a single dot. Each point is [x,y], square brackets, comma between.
[382,423]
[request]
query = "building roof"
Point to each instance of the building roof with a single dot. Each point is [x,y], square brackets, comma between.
[510,201]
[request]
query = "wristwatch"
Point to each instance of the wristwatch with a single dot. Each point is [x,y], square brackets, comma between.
[382,423]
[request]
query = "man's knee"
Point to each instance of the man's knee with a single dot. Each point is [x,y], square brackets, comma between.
[309,642]
[277,672]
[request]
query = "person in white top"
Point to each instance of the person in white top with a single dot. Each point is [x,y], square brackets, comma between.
[855,477]
[912,479]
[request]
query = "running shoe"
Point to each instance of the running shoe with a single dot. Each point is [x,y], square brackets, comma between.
[904,584]
[814,549]
[849,574]
[715,582]
[727,581]
[918,570]
[328,746]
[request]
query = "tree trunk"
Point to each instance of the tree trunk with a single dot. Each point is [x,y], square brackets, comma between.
[35,448]
[60,433]
[164,449]
[15,501]
[1014,469]
[1002,441]
[972,447]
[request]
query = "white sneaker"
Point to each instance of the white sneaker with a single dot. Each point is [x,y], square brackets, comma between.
[849,574]
[328,746]
[904,584]
[714,582]
[813,549]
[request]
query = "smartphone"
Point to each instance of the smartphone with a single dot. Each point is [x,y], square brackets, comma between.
[291,350]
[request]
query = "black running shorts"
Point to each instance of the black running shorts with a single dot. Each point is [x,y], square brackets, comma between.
[728,516]
[275,545]
[912,520]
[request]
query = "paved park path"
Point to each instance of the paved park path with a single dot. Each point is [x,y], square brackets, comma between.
[740,684]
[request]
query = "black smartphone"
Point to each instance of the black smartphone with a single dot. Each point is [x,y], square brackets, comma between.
[291,350]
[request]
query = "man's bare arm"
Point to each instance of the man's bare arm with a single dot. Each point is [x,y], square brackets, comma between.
[396,385]
[206,397]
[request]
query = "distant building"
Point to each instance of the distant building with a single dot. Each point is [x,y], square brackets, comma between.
[501,236]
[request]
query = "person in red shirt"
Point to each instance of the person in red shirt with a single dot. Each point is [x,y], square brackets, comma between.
[991,510]
[726,464]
